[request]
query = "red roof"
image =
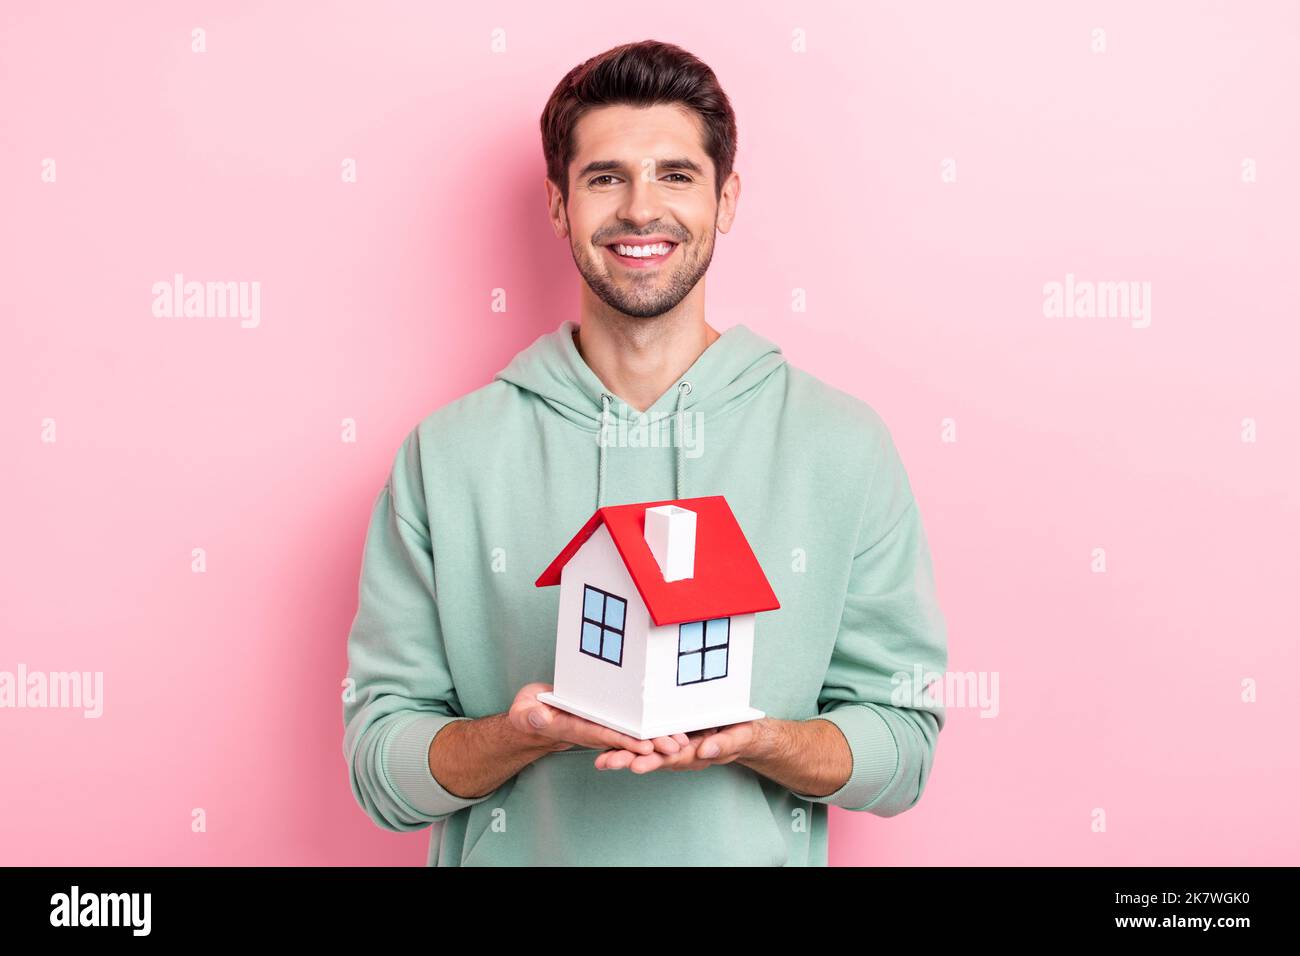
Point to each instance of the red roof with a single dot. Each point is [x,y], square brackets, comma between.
[728,579]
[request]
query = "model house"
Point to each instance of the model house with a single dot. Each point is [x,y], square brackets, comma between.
[655,634]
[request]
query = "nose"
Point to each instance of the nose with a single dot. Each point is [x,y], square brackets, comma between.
[642,203]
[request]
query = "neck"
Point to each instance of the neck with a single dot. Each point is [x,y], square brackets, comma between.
[639,359]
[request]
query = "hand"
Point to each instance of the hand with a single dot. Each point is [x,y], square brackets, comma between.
[703,749]
[563,730]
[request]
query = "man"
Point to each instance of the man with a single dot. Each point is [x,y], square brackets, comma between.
[452,641]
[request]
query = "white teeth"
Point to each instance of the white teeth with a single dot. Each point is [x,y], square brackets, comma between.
[640,252]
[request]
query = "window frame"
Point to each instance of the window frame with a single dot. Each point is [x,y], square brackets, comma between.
[601,625]
[704,648]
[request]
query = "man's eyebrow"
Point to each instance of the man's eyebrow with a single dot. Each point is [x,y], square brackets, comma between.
[616,166]
[680,163]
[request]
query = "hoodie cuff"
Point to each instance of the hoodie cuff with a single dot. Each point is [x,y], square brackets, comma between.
[875,756]
[406,761]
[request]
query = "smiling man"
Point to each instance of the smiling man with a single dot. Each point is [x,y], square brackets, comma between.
[452,642]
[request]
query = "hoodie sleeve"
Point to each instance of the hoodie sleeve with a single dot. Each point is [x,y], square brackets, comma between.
[399,694]
[891,625]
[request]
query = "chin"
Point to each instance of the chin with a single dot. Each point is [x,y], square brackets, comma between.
[642,314]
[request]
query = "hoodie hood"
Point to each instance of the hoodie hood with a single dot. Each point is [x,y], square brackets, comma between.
[723,376]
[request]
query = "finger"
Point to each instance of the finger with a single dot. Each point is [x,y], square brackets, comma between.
[684,759]
[717,746]
[539,717]
[667,745]
[588,733]
[634,744]
[645,763]
[614,740]
[615,759]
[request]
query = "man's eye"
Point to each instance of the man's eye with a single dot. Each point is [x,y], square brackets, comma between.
[597,180]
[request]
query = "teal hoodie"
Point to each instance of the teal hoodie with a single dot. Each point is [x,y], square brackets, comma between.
[484,493]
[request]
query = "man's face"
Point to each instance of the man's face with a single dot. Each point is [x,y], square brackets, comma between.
[640,178]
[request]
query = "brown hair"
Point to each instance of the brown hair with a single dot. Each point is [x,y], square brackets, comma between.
[639,74]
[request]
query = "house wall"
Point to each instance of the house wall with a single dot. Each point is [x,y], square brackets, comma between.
[591,683]
[666,700]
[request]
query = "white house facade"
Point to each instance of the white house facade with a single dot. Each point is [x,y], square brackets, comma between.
[613,663]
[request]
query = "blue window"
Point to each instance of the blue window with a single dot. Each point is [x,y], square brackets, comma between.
[702,650]
[602,625]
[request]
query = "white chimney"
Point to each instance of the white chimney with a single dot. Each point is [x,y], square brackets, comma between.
[670,532]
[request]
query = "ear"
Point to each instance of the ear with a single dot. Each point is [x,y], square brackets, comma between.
[728,201]
[555,209]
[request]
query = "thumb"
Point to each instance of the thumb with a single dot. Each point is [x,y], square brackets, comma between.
[539,716]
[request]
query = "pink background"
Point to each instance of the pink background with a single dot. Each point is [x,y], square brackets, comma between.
[1119,691]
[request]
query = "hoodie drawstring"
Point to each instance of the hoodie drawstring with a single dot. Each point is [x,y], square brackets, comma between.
[600,441]
[683,389]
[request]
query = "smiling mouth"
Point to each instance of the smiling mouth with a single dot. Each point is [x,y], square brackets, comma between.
[641,255]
